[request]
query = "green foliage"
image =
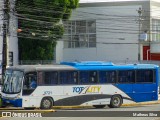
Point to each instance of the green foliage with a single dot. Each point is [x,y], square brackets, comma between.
[36,49]
[39,21]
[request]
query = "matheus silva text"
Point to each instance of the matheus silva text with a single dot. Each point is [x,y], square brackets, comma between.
[145,114]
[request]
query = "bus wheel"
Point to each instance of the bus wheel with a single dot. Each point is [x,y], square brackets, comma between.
[99,106]
[116,101]
[46,103]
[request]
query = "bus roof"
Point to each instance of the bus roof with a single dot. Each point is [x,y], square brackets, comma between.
[101,65]
[30,68]
[87,65]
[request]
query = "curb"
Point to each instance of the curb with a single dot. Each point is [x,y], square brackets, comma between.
[123,105]
[11,108]
[142,103]
[71,107]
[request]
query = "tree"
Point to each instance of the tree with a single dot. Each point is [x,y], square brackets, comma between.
[39,26]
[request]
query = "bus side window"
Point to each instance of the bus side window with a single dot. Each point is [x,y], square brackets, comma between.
[51,77]
[107,76]
[126,76]
[69,77]
[84,77]
[149,76]
[145,76]
[93,77]
[111,76]
[40,78]
[75,77]
[102,77]
[63,77]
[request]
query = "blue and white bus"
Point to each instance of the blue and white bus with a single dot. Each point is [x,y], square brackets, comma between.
[80,83]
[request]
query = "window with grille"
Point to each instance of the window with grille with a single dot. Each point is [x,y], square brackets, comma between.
[80,34]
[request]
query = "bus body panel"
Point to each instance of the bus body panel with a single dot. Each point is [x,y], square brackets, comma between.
[140,92]
[75,95]
[12,99]
[85,94]
[31,101]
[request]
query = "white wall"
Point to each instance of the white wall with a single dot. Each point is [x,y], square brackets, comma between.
[59,52]
[80,54]
[117,52]
[155,14]
[116,31]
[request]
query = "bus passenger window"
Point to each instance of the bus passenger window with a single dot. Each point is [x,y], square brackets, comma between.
[75,77]
[93,77]
[69,77]
[107,76]
[84,77]
[145,76]
[72,77]
[51,78]
[126,76]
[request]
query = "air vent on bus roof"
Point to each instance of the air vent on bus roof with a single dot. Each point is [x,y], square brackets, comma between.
[88,63]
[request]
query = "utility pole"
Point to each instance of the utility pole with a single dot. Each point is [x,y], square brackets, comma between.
[139,46]
[6,10]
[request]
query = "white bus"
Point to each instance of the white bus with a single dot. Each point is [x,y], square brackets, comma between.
[79,83]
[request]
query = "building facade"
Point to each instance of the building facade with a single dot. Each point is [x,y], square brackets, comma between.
[112,30]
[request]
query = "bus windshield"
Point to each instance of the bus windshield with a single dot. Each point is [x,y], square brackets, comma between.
[12,81]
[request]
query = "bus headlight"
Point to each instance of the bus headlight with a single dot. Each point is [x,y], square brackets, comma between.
[18,96]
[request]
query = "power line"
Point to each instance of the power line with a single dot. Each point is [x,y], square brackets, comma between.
[87,12]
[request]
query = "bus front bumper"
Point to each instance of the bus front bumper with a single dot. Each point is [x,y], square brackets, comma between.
[13,102]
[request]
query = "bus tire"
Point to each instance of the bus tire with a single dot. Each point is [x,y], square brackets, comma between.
[99,106]
[46,103]
[116,101]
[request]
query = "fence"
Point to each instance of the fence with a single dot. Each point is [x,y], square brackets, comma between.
[34,62]
[137,62]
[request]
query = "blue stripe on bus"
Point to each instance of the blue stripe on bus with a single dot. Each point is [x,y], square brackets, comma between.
[15,102]
[139,92]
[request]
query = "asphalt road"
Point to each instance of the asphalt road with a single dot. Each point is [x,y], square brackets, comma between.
[123,113]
